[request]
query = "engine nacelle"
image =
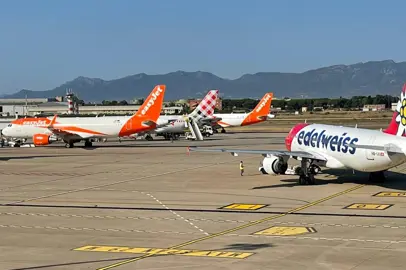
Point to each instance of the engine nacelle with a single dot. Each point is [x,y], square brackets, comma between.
[42,139]
[274,165]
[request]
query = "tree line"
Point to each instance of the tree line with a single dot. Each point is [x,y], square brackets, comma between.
[230,105]
[313,104]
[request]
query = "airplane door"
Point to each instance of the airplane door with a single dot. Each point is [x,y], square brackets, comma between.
[370,154]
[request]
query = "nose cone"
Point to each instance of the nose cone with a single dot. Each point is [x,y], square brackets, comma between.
[292,134]
[4,132]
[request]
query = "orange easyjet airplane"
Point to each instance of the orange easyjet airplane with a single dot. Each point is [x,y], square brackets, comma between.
[260,113]
[73,130]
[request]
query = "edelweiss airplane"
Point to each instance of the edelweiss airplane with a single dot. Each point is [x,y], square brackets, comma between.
[72,130]
[260,113]
[337,147]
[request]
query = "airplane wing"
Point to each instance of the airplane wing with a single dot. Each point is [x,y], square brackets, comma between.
[60,132]
[235,152]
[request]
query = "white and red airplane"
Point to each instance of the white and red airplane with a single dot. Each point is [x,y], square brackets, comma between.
[72,130]
[259,114]
[337,147]
[202,114]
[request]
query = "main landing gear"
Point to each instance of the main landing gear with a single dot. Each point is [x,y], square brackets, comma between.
[88,143]
[377,177]
[307,172]
[70,144]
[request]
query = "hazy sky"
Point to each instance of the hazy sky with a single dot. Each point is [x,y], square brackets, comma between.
[46,43]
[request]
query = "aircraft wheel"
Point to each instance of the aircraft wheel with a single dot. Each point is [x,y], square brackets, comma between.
[69,145]
[88,144]
[302,180]
[311,180]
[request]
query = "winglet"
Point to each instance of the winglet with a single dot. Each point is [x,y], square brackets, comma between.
[51,125]
[398,124]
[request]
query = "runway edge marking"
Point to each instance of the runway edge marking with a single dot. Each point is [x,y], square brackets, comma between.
[252,223]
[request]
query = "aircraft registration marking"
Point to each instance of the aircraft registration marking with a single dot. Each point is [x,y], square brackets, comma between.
[286,231]
[390,194]
[243,206]
[368,206]
[164,251]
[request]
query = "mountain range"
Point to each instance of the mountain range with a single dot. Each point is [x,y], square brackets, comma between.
[369,78]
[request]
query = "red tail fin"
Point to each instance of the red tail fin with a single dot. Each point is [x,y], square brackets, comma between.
[398,125]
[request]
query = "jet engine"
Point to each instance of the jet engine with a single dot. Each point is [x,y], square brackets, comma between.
[274,165]
[42,139]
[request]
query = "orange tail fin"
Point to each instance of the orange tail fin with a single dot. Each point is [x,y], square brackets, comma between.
[263,107]
[146,117]
[152,106]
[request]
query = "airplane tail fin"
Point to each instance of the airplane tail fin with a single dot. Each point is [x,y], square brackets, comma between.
[263,107]
[398,124]
[152,106]
[205,109]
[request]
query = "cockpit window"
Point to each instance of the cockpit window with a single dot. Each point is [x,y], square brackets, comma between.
[9,125]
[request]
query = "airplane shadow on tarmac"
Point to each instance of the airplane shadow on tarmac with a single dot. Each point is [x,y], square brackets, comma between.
[394,180]
[247,246]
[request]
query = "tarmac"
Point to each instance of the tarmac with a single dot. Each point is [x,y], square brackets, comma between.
[151,205]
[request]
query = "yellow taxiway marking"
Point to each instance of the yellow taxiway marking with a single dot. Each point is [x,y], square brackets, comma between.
[165,251]
[243,206]
[368,206]
[390,194]
[247,225]
[286,231]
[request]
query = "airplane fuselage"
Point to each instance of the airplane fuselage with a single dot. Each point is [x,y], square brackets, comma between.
[94,126]
[334,144]
[240,119]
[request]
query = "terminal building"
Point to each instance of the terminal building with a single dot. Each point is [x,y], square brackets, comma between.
[59,108]
[45,106]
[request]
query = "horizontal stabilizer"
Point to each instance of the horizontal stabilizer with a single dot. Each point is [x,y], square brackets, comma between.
[149,123]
